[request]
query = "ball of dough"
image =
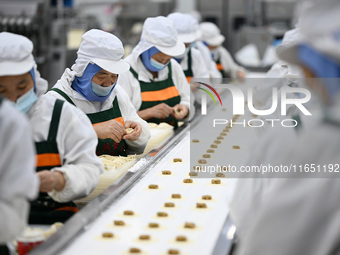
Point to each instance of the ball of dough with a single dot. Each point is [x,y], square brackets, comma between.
[153,186]
[176,196]
[206,197]
[201,205]
[107,235]
[189,225]
[119,223]
[215,181]
[188,181]
[181,239]
[144,237]
[129,130]
[153,225]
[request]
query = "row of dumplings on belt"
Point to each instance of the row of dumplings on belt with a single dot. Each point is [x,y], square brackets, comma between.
[155,225]
[216,142]
[196,168]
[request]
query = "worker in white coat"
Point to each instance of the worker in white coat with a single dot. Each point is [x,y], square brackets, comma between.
[211,35]
[191,60]
[67,165]
[300,214]
[156,83]
[91,85]
[280,75]
[18,182]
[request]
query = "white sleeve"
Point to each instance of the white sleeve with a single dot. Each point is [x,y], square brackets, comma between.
[18,180]
[200,69]
[77,143]
[228,63]
[129,113]
[181,83]
[183,87]
[211,65]
[132,88]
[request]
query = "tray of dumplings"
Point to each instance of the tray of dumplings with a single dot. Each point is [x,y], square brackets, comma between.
[114,168]
[159,135]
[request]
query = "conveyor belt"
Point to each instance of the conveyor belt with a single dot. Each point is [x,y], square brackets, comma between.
[82,234]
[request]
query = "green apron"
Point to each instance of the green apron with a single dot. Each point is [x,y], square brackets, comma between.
[105,146]
[156,92]
[44,210]
[220,68]
[189,73]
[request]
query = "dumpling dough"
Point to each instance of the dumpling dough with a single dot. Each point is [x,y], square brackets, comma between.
[129,130]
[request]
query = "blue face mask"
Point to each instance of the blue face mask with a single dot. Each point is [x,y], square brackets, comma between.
[100,90]
[83,84]
[25,102]
[159,66]
[150,63]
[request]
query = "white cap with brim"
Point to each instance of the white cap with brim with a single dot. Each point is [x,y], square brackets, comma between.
[116,67]
[287,50]
[319,28]
[211,34]
[103,49]
[16,59]
[187,27]
[161,33]
[15,54]
[190,37]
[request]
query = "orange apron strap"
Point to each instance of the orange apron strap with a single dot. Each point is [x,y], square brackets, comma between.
[48,159]
[68,208]
[160,95]
[219,67]
[119,119]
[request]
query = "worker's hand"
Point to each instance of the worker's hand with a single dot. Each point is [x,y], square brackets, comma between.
[241,75]
[51,181]
[194,86]
[136,132]
[180,111]
[110,129]
[161,111]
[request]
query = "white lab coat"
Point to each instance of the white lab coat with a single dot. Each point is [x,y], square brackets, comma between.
[229,65]
[132,86]
[280,74]
[18,181]
[296,215]
[127,110]
[77,143]
[198,66]
[210,64]
[199,70]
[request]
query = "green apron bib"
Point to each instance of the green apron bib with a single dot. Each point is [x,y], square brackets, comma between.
[189,73]
[105,146]
[44,210]
[158,91]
